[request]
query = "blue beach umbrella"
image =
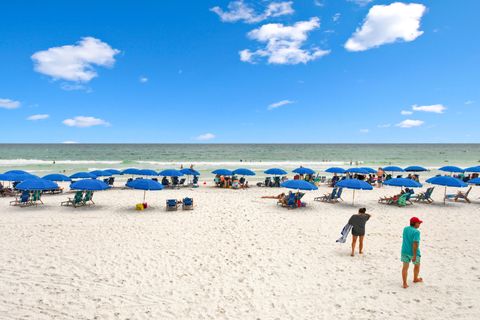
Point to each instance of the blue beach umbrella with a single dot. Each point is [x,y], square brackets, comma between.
[335,170]
[369,170]
[145,185]
[275,171]
[415,169]
[473,169]
[37,184]
[354,184]
[299,185]
[16,177]
[16,172]
[243,172]
[451,169]
[223,172]
[148,172]
[447,181]
[83,175]
[190,172]
[132,171]
[113,171]
[101,173]
[170,173]
[56,177]
[303,170]
[474,181]
[402,182]
[357,170]
[89,185]
[393,169]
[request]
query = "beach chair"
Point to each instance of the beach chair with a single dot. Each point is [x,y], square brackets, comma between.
[172,205]
[424,196]
[327,196]
[77,200]
[88,198]
[459,196]
[187,204]
[36,198]
[402,200]
[181,183]
[23,200]
[338,196]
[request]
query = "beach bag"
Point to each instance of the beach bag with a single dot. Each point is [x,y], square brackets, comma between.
[139,206]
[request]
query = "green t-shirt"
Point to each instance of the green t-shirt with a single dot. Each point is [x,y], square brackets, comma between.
[410,235]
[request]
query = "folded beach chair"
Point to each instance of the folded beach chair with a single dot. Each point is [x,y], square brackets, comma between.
[459,196]
[77,200]
[187,204]
[172,205]
[327,196]
[424,196]
[23,200]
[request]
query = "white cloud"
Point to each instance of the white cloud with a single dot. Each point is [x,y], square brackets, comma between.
[74,86]
[387,24]
[436,108]
[284,43]
[385,125]
[240,11]
[279,104]
[75,62]
[468,102]
[84,122]
[36,117]
[9,104]
[318,3]
[336,16]
[361,2]
[410,123]
[406,112]
[69,142]
[205,137]
[143,79]
[364,130]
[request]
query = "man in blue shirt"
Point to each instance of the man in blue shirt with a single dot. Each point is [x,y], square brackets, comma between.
[411,251]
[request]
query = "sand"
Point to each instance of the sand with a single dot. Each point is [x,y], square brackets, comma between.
[235,256]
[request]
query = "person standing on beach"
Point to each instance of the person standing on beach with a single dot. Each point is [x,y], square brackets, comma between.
[411,250]
[358,221]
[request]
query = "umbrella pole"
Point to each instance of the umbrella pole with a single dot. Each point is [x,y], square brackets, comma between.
[445,196]
[144,195]
[353,199]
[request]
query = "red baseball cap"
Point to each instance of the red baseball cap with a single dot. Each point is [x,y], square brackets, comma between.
[415,220]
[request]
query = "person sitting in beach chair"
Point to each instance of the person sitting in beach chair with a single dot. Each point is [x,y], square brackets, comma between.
[334,180]
[280,196]
[424,196]
[459,196]
[165,182]
[187,204]
[181,183]
[172,204]
[6,192]
[23,200]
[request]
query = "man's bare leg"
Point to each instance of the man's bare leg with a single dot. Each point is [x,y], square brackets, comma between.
[416,271]
[405,274]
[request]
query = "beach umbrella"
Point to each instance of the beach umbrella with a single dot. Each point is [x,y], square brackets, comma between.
[369,170]
[243,172]
[303,170]
[83,175]
[451,169]
[16,177]
[190,172]
[133,171]
[36,184]
[89,185]
[101,173]
[275,171]
[447,181]
[56,177]
[475,169]
[415,169]
[357,170]
[393,169]
[335,170]
[402,182]
[354,184]
[113,171]
[148,172]
[145,185]
[223,172]
[299,185]
[474,181]
[170,173]
[16,172]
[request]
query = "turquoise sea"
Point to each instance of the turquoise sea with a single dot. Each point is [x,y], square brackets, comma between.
[85,157]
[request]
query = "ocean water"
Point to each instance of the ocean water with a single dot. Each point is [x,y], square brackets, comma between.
[45,158]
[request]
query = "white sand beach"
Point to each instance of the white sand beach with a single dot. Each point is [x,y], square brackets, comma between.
[235,256]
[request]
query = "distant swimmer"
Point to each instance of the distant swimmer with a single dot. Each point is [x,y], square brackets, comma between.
[53,161]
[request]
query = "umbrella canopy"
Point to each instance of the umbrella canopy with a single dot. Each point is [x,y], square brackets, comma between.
[89,185]
[403,182]
[451,169]
[474,181]
[335,170]
[357,170]
[369,170]
[56,177]
[190,172]
[415,169]
[354,184]
[447,181]
[101,173]
[299,185]
[243,172]
[16,172]
[16,177]
[144,184]
[113,171]
[37,184]
[473,169]
[171,173]
[148,172]
[393,169]
[223,172]
[275,171]
[131,171]
[83,175]
[303,170]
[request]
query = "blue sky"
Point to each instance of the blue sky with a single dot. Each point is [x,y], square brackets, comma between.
[326,71]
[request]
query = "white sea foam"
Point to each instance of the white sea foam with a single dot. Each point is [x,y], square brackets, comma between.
[26,162]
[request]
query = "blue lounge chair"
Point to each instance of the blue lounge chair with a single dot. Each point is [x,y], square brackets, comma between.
[187,204]
[23,200]
[172,205]
[327,196]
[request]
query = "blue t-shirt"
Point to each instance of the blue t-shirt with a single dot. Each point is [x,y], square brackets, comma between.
[410,235]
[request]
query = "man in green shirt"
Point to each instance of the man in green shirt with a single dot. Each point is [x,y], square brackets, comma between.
[411,251]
